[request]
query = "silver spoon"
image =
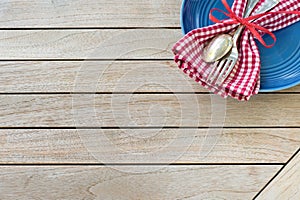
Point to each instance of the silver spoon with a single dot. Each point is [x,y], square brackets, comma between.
[220,45]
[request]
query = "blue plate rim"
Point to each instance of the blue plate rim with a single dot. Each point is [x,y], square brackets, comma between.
[181,17]
[260,90]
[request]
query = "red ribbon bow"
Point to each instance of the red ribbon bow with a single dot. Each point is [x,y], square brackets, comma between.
[251,26]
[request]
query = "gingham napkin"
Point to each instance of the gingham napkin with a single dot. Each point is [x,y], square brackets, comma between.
[244,80]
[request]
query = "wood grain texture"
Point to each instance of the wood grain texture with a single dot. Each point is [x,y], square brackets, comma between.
[94,76]
[154,146]
[89,13]
[286,185]
[147,110]
[112,182]
[88,44]
[85,30]
[97,76]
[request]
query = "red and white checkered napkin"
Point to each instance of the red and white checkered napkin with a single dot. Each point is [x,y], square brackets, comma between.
[244,80]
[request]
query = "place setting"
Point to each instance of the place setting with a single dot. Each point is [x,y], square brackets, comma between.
[240,48]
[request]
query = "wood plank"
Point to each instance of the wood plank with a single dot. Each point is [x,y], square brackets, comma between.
[286,185]
[89,13]
[108,76]
[153,146]
[88,44]
[147,110]
[119,182]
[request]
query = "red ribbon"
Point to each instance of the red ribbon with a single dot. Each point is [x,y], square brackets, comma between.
[252,27]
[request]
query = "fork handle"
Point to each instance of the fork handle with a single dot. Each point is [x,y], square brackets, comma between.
[249,8]
[264,8]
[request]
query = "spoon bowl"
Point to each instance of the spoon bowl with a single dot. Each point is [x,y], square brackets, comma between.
[217,48]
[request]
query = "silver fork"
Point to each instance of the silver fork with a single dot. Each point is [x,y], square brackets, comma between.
[225,65]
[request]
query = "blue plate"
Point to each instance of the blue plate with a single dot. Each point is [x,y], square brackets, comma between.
[280,64]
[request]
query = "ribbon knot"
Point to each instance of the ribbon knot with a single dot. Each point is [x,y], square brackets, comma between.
[248,22]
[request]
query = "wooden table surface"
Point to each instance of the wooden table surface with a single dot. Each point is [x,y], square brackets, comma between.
[93,107]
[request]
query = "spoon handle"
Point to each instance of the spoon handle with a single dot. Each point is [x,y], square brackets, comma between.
[249,8]
[265,7]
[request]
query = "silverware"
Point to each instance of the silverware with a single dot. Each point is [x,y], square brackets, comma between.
[220,45]
[217,48]
[222,69]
